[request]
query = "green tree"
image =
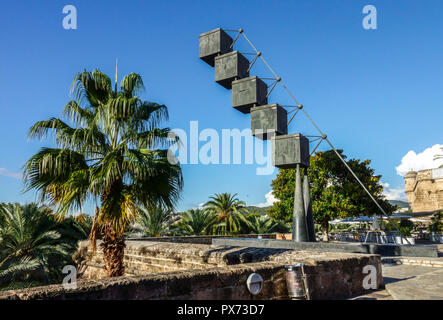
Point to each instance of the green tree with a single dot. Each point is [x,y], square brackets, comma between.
[406,227]
[436,223]
[113,153]
[154,220]
[196,222]
[259,224]
[230,212]
[334,191]
[33,251]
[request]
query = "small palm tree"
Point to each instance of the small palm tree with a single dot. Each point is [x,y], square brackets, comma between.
[75,228]
[230,212]
[154,221]
[113,153]
[258,224]
[32,251]
[196,222]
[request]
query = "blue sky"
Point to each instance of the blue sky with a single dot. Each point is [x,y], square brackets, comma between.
[376,93]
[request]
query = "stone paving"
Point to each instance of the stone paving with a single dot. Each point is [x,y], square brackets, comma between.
[408,282]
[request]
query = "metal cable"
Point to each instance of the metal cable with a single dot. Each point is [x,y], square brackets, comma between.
[324,137]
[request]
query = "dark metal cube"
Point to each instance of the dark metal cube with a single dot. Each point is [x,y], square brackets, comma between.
[229,67]
[290,150]
[212,44]
[269,120]
[248,93]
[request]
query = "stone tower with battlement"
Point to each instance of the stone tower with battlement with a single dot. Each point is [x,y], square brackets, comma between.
[424,190]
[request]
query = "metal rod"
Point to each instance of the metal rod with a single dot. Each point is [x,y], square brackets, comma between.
[367,191]
[286,106]
[236,37]
[327,140]
[289,123]
[272,88]
[252,63]
[305,282]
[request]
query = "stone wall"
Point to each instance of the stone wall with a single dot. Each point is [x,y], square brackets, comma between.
[424,190]
[227,283]
[204,239]
[157,270]
[142,257]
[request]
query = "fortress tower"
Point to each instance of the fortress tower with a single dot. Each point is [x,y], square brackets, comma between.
[424,190]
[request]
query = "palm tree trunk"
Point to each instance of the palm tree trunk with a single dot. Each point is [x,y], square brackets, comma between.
[113,245]
[325,227]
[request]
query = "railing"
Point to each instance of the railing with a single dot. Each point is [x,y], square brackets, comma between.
[361,237]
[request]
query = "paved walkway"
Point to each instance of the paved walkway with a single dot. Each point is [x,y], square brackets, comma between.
[408,282]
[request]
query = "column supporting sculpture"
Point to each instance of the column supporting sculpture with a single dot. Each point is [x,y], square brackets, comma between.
[308,207]
[299,228]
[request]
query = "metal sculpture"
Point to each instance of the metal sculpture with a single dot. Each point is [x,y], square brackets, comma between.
[269,122]
[214,43]
[249,92]
[229,67]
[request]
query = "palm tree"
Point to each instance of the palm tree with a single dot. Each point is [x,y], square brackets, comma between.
[229,210]
[76,228]
[154,221]
[196,222]
[32,251]
[258,224]
[114,154]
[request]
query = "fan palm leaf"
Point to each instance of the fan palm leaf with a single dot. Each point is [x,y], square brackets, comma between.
[230,211]
[110,150]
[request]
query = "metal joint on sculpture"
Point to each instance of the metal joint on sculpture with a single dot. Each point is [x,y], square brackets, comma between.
[272,88]
[254,60]
[235,40]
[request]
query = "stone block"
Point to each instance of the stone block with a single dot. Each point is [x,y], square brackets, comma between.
[249,92]
[269,120]
[212,44]
[229,67]
[290,150]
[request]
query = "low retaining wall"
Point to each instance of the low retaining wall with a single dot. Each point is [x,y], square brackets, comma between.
[205,239]
[372,248]
[214,284]
[157,270]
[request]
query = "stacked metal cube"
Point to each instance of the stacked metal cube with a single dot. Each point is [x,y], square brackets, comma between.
[268,121]
[249,95]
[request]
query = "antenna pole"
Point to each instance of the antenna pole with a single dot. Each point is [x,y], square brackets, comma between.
[115,85]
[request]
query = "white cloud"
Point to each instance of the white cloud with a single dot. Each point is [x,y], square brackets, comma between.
[6,173]
[270,199]
[200,206]
[420,161]
[393,193]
